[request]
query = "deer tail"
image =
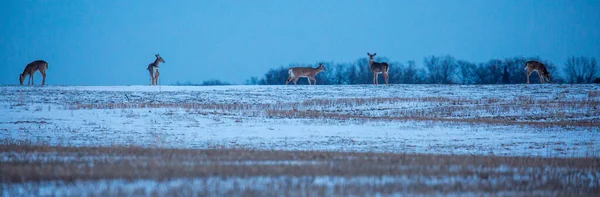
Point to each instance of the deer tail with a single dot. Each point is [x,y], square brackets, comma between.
[290,72]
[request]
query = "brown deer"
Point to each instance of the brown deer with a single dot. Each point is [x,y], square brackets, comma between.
[154,66]
[540,68]
[308,72]
[377,67]
[30,69]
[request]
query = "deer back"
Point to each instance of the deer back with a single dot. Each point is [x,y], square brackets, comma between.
[150,67]
[36,65]
[379,67]
[304,71]
[535,65]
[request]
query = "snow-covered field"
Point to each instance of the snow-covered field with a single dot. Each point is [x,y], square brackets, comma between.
[535,120]
[521,120]
[547,121]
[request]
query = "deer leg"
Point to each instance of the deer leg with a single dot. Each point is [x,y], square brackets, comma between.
[296,80]
[32,79]
[151,76]
[156,77]
[308,78]
[374,78]
[314,79]
[387,77]
[541,78]
[43,77]
[528,73]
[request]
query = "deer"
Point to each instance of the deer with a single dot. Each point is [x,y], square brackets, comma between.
[308,72]
[30,69]
[378,67]
[540,68]
[154,66]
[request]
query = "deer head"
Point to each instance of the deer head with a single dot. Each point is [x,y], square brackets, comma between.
[371,56]
[159,58]
[21,78]
[321,67]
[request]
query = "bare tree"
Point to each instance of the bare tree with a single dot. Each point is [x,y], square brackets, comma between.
[410,73]
[495,71]
[581,69]
[432,65]
[514,67]
[466,70]
[441,70]
[252,81]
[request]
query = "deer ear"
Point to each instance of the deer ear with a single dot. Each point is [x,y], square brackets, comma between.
[374,54]
[368,54]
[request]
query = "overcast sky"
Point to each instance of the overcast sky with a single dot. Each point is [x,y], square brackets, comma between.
[111,42]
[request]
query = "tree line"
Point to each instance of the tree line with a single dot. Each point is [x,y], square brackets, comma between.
[441,70]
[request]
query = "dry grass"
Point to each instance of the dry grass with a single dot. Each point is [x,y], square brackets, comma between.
[593,94]
[520,110]
[475,120]
[487,174]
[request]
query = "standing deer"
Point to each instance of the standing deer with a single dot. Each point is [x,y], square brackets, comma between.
[30,69]
[154,66]
[540,68]
[377,67]
[308,72]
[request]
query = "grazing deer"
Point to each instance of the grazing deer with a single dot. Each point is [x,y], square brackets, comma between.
[377,67]
[531,66]
[30,69]
[308,72]
[152,66]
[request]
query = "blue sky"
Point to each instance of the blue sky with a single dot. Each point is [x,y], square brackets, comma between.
[110,42]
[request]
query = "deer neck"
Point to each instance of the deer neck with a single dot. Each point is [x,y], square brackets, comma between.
[26,71]
[156,62]
[371,63]
[318,70]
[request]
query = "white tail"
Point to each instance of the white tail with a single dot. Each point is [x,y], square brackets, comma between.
[308,72]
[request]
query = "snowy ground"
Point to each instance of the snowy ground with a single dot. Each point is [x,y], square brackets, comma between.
[515,120]
[417,140]
[130,171]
